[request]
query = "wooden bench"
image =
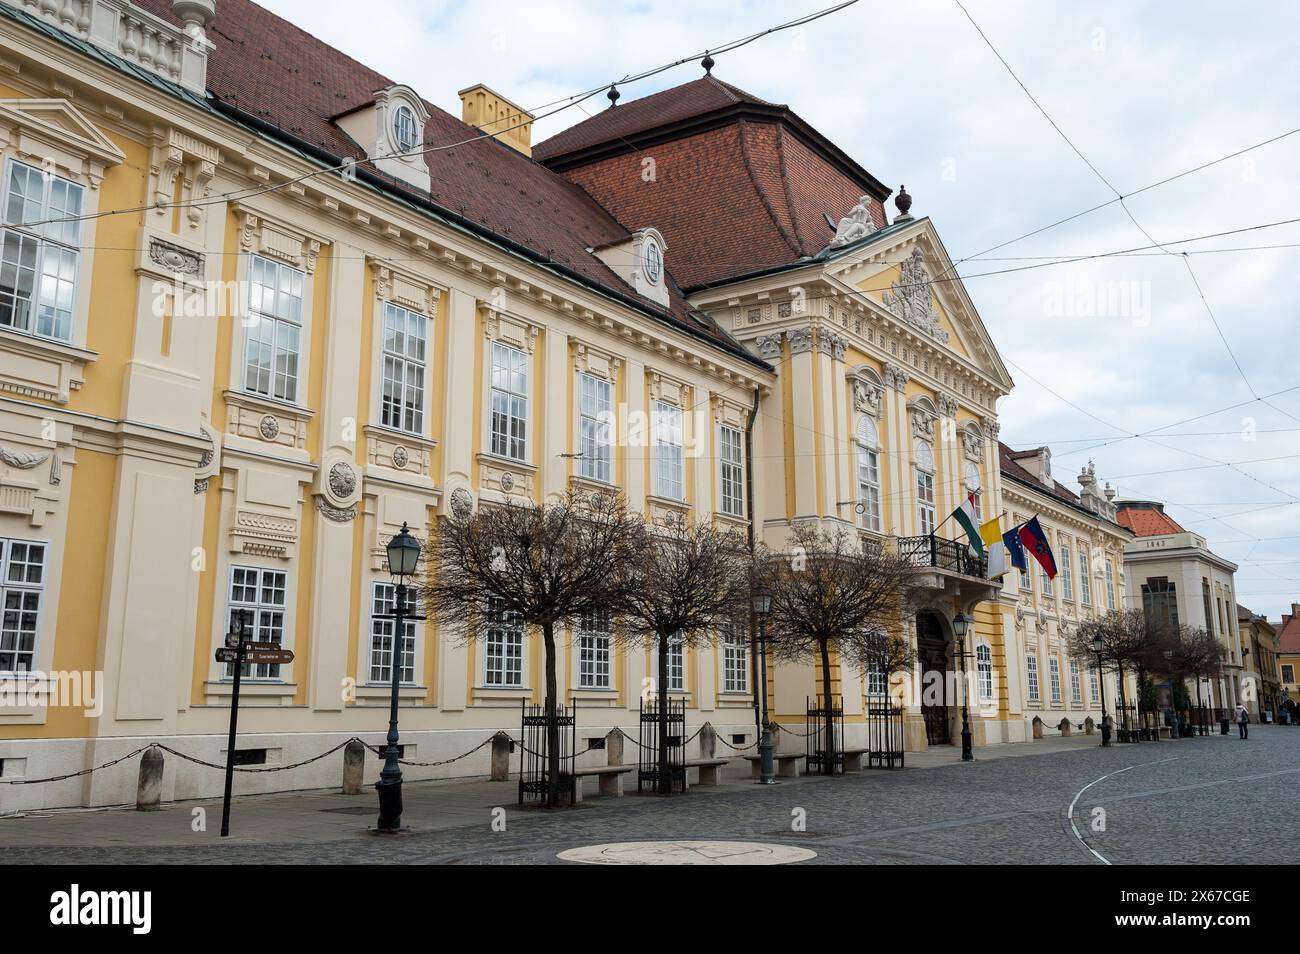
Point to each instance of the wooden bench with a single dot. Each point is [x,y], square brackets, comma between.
[610,778]
[709,769]
[787,765]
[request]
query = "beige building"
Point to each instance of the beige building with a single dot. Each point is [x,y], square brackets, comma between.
[1261,688]
[1088,544]
[260,306]
[1174,576]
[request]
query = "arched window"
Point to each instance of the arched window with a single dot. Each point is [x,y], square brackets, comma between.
[973,487]
[984,671]
[868,449]
[925,486]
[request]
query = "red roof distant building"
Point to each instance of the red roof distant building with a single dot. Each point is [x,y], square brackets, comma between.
[1288,631]
[1146,518]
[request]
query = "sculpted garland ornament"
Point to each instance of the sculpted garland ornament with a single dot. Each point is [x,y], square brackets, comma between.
[23,460]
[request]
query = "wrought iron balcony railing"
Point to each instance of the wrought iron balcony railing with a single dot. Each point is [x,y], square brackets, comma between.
[943,554]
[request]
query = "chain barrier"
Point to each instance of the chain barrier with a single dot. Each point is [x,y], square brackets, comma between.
[60,778]
[261,768]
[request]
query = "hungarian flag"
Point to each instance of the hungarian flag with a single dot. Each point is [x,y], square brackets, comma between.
[965,515]
[991,534]
[1035,541]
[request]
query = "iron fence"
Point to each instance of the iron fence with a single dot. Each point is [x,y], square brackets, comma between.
[673,725]
[824,749]
[884,733]
[941,553]
[534,760]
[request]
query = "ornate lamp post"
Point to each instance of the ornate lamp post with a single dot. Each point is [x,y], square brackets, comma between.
[403,554]
[761,602]
[1099,644]
[960,627]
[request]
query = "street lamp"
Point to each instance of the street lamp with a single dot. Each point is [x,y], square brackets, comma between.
[403,555]
[960,627]
[761,602]
[1099,644]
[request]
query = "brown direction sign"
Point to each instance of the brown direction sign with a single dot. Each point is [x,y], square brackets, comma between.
[251,645]
[276,655]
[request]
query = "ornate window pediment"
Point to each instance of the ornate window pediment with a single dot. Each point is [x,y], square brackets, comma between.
[54,134]
[263,234]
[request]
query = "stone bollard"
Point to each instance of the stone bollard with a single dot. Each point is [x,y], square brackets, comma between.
[708,741]
[1089,727]
[501,748]
[148,792]
[354,767]
[1038,727]
[614,747]
[1064,728]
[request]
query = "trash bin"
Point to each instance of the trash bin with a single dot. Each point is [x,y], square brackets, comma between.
[1223,726]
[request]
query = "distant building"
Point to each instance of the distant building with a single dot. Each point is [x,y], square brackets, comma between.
[1288,653]
[1260,685]
[1174,575]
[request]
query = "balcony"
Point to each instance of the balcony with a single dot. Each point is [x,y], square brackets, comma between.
[949,568]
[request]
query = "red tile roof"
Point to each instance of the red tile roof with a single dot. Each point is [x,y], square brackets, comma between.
[1145,518]
[1007,462]
[1288,631]
[281,75]
[739,184]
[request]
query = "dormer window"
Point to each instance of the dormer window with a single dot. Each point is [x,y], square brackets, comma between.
[405,137]
[652,257]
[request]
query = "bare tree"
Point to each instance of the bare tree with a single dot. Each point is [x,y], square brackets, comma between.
[1195,654]
[882,650]
[830,594]
[543,565]
[686,582]
[1129,641]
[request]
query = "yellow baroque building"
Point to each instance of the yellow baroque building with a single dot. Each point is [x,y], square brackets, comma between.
[260,306]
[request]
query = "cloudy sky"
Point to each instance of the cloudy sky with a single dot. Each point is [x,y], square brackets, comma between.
[1100,350]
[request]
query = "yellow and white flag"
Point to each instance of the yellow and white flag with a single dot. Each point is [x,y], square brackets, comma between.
[991,534]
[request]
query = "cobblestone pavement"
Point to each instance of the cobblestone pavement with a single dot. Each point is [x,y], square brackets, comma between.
[1213,800]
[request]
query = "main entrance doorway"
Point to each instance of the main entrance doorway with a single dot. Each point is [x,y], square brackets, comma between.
[932,658]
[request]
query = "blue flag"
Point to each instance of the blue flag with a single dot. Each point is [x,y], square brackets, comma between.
[1015,548]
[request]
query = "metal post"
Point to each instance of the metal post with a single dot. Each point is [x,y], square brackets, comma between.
[238,632]
[767,768]
[1105,719]
[967,755]
[389,785]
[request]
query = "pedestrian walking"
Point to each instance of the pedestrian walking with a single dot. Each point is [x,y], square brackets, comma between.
[1243,719]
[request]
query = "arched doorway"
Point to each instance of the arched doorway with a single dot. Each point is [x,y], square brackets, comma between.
[933,661]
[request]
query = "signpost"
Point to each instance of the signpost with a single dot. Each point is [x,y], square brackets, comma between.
[239,651]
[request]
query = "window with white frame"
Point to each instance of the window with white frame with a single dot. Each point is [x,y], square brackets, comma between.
[868,451]
[22,584]
[1026,582]
[503,658]
[509,399]
[405,345]
[1031,673]
[405,135]
[877,684]
[1067,576]
[984,671]
[1085,577]
[1076,690]
[669,466]
[925,487]
[258,598]
[735,660]
[731,465]
[1054,677]
[676,677]
[39,252]
[973,487]
[1094,686]
[594,639]
[384,603]
[595,407]
[273,329]
[1110,586]
[1048,587]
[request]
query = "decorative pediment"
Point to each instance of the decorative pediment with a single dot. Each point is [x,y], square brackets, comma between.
[910,299]
[275,238]
[53,132]
[405,288]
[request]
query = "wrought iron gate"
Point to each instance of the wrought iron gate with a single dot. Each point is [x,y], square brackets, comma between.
[647,774]
[534,761]
[824,755]
[884,733]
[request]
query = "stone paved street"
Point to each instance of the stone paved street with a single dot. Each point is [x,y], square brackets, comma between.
[1212,800]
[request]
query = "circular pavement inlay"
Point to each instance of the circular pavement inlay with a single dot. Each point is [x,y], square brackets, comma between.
[687,853]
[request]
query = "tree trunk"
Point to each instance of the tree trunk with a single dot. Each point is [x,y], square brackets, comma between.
[665,773]
[1123,701]
[828,765]
[552,723]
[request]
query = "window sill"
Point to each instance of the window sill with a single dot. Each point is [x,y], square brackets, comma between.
[595,693]
[249,687]
[376,690]
[486,457]
[41,367]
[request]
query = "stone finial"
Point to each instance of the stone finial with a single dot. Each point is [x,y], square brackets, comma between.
[707,63]
[904,203]
[195,15]
[613,96]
